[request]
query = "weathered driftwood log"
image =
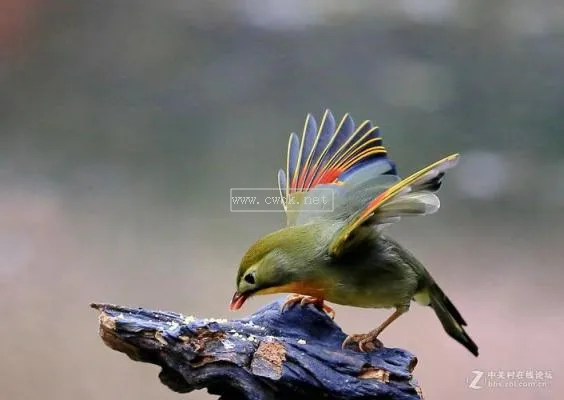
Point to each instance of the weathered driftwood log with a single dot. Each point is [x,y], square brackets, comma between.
[269,355]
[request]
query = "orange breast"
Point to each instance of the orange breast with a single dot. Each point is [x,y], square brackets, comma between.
[308,288]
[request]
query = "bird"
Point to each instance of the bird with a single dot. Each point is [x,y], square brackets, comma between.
[339,192]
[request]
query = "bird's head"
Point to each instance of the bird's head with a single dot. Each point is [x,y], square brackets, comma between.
[273,264]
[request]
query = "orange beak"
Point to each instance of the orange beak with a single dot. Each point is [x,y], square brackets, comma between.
[238,301]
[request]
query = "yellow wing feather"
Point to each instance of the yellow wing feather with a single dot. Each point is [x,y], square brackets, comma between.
[363,215]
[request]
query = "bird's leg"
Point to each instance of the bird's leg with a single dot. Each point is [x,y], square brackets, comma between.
[372,336]
[304,300]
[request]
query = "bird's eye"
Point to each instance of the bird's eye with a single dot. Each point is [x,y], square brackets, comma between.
[249,278]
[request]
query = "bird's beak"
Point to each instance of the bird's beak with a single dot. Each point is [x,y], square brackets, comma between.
[238,301]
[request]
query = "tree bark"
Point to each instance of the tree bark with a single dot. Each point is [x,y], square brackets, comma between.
[270,355]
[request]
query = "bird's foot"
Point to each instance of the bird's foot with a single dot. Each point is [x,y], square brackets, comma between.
[303,300]
[364,341]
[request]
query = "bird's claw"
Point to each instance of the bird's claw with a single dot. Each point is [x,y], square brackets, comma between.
[303,300]
[365,341]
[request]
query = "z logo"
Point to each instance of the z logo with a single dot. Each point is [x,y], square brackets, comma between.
[474,382]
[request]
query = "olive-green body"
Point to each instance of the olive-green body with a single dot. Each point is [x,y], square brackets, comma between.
[374,272]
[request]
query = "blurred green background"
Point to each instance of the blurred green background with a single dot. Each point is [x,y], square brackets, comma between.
[123,124]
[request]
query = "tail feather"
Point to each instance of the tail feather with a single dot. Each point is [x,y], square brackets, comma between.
[448,305]
[451,319]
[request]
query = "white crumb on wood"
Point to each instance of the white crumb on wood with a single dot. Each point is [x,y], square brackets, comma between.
[228,345]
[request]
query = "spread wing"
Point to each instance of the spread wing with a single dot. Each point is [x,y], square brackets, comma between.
[318,165]
[347,165]
[413,195]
